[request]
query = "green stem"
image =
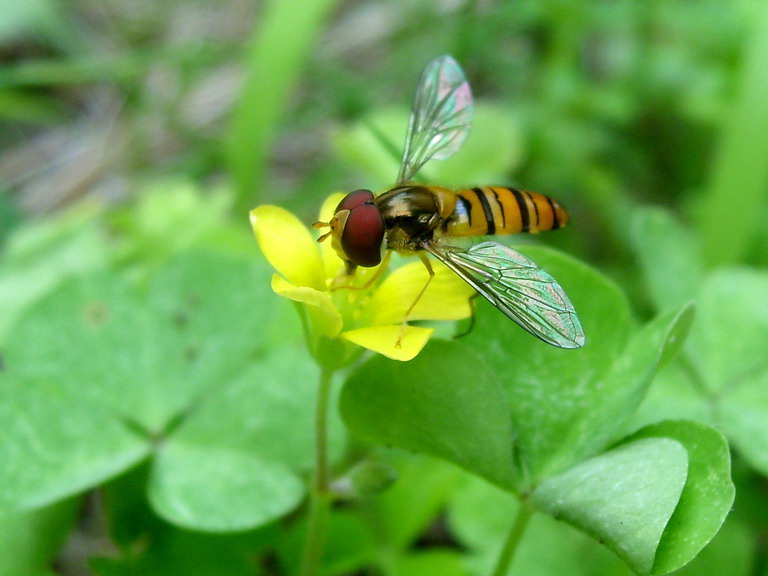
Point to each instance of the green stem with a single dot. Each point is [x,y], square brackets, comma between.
[524,513]
[320,492]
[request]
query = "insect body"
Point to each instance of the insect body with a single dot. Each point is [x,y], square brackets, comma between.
[414,218]
[484,211]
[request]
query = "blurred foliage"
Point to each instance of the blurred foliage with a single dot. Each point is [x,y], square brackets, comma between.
[155,398]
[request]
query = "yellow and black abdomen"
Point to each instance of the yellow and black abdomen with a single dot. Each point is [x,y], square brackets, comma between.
[499,210]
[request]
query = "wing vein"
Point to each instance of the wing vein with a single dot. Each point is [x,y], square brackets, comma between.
[520,289]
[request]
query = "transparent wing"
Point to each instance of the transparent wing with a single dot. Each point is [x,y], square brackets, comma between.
[440,117]
[519,288]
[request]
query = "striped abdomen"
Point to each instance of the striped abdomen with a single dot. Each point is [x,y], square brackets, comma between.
[499,210]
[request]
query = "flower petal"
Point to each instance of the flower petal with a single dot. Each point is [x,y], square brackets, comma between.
[288,246]
[382,339]
[324,316]
[329,206]
[447,297]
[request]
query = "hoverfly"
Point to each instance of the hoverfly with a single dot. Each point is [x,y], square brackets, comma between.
[413,218]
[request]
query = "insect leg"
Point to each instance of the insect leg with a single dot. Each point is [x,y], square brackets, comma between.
[469,328]
[381,269]
[425,260]
[342,281]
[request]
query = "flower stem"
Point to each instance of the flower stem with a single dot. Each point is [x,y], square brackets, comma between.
[320,493]
[507,555]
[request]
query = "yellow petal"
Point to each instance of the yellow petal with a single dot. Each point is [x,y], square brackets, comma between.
[329,206]
[288,246]
[382,339]
[447,297]
[323,315]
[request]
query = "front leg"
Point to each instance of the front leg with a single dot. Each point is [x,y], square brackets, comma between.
[428,265]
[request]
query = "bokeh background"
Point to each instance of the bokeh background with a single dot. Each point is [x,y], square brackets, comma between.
[610,104]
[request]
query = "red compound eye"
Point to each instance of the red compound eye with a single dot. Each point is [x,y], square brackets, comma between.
[364,229]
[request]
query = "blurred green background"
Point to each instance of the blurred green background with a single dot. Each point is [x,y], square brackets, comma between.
[132,131]
[610,104]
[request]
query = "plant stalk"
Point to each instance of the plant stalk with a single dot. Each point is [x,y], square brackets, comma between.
[507,555]
[320,492]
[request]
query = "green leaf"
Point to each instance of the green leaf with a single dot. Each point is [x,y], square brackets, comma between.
[730,339]
[41,256]
[624,498]
[669,257]
[29,541]
[56,443]
[565,405]
[351,545]
[550,390]
[744,418]
[236,462]
[98,343]
[221,309]
[480,516]
[444,403]
[727,352]
[392,522]
[94,374]
[568,404]
[405,511]
[727,371]
[619,392]
[672,396]
[707,497]
[444,562]
[74,380]
[653,505]
[730,552]
[172,216]
[166,551]
[149,546]
[219,489]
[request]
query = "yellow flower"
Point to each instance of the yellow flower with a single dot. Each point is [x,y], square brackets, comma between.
[309,273]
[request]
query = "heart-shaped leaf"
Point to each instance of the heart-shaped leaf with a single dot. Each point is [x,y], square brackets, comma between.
[98,376]
[567,405]
[236,462]
[624,498]
[444,403]
[727,349]
[672,276]
[550,407]
[220,489]
[707,497]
